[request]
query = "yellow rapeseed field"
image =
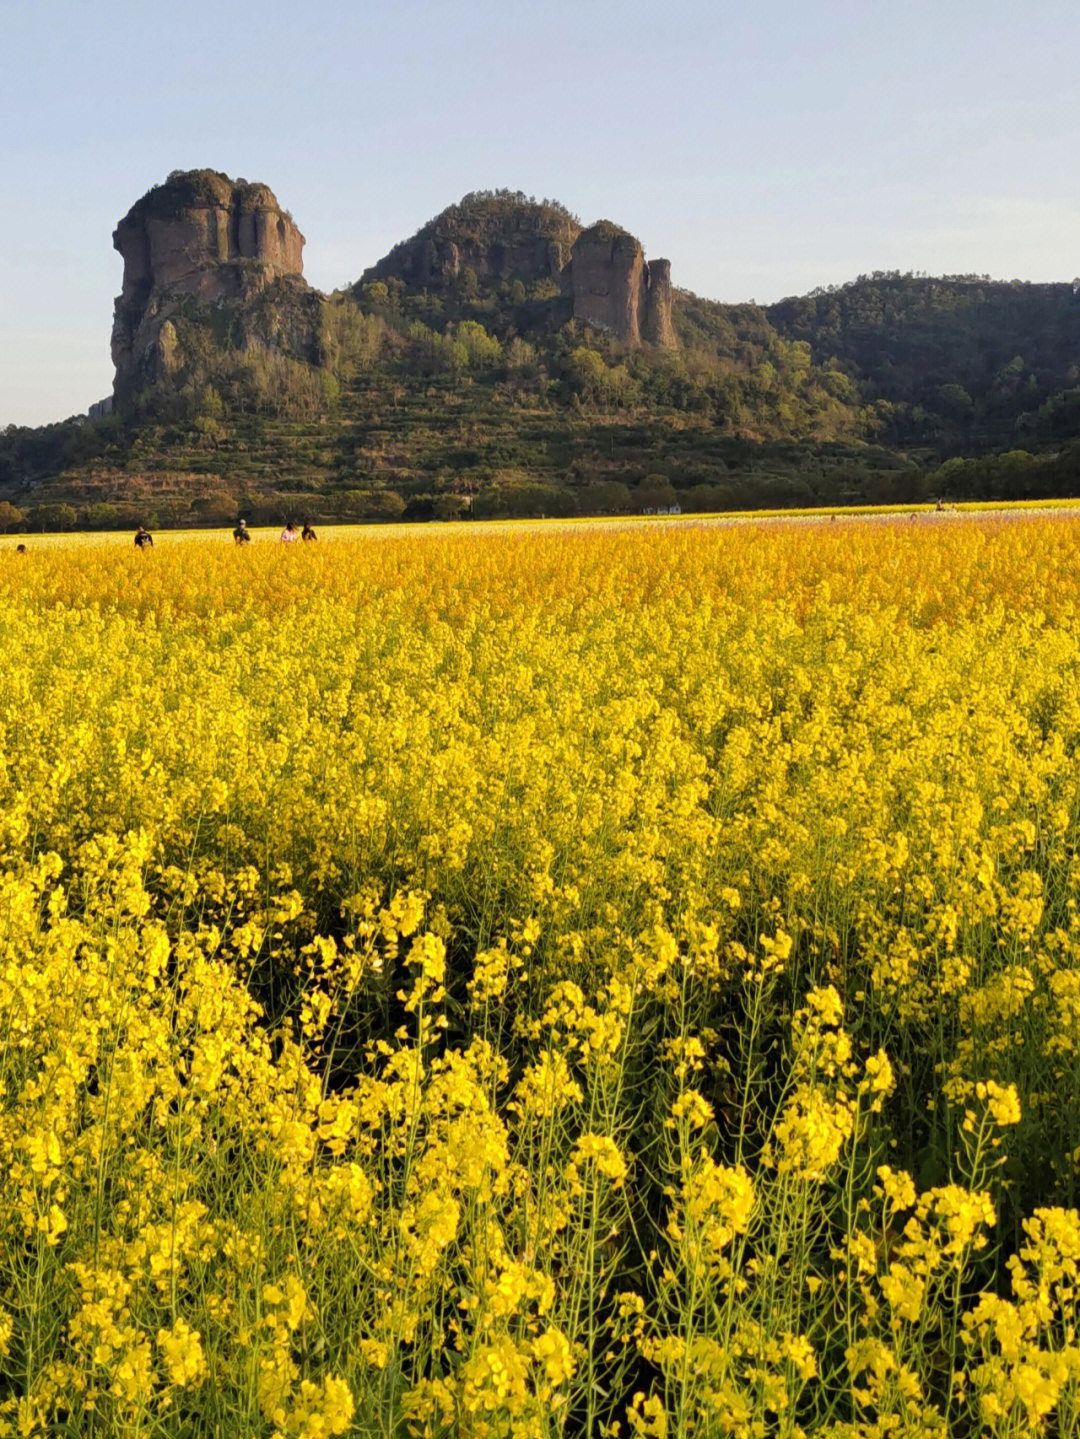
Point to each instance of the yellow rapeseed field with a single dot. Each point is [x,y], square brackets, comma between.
[561,981]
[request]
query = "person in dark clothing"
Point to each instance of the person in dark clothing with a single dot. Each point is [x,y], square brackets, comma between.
[240,534]
[20,549]
[144,540]
[307,533]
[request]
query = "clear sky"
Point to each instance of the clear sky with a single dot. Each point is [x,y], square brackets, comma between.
[763,146]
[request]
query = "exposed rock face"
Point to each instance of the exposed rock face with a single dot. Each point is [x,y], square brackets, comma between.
[608,272]
[616,290]
[656,326]
[440,260]
[200,235]
[214,266]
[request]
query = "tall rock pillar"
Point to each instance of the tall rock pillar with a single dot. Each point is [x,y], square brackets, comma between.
[614,289]
[608,280]
[657,327]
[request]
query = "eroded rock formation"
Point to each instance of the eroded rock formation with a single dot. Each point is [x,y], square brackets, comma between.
[615,289]
[213,268]
[656,326]
[608,270]
[200,236]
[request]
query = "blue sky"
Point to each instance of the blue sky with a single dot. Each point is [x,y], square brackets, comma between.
[764,148]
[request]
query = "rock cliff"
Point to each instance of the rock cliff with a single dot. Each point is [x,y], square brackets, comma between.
[608,274]
[201,237]
[615,289]
[213,267]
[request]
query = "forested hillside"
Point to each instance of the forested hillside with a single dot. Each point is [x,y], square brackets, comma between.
[961,363]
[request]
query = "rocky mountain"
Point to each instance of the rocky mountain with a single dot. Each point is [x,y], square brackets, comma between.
[599,275]
[199,241]
[507,359]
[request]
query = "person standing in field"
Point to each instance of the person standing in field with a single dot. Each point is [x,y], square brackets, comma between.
[307,533]
[288,534]
[144,540]
[240,534]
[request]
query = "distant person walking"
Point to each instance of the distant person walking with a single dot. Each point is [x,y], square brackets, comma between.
[289,534]
[240,534]
[307,533]
[144,540]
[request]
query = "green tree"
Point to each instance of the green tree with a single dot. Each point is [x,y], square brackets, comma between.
[450,507]
[216,507]
[520,356]
[956,402]
[376,293]
[605,497]
[101,517]
[11,517]
[655,492]
[483,349]
[586,372]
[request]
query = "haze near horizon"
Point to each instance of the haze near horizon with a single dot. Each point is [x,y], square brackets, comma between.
[765,149]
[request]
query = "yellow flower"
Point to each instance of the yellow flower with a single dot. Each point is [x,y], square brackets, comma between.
[602,1151]
[182,1354]
[552,1351]
[904,1292]
[1003,1102]
[897,1187]
[693,1107]
[495,1380]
